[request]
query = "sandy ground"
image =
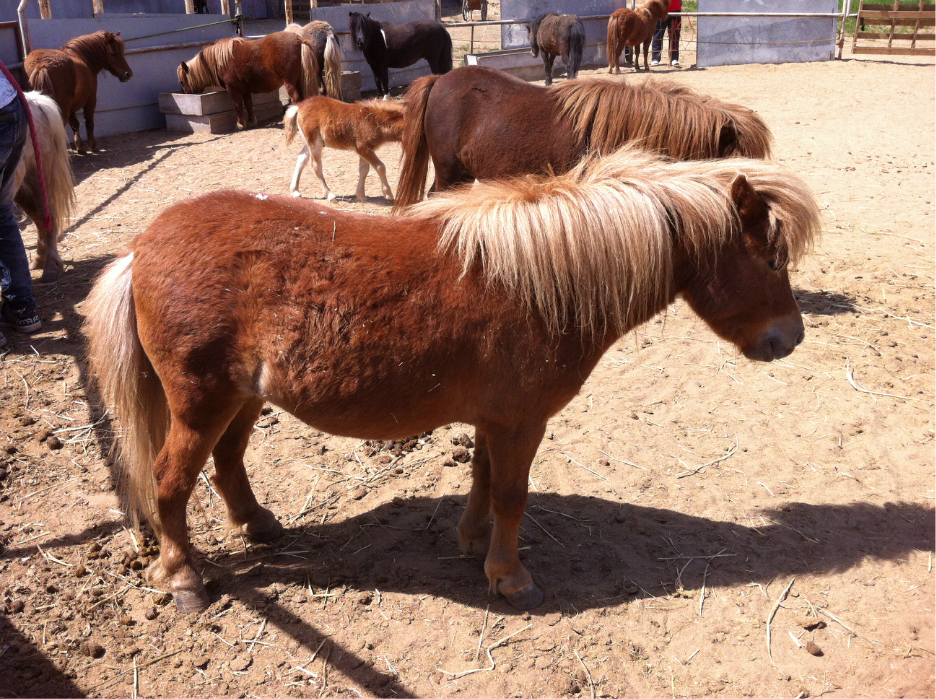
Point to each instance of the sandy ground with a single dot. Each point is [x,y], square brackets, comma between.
[817,478]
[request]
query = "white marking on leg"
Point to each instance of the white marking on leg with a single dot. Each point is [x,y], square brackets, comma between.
[301,161]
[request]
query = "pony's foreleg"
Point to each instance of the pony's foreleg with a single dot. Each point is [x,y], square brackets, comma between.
[238,99]
[248,104]
[371,157]
[316,147]
[244,514]
[511,453]
[301,161]
[474,528]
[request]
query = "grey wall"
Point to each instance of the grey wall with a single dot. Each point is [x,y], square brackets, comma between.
[84,9]
[740,40]
[596,31]
[132,106]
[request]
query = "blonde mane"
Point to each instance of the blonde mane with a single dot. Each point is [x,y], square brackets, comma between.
[593,247]
[204,68]
[661,116]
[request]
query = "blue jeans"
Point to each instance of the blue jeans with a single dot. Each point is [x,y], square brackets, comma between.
[15,280]
[673,25]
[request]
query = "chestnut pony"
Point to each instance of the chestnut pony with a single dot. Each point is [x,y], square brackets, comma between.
[69,76]
[479,122]
[489,306]
[558,35]
[244,66]
[361,127]
[60,186]
[327,51]
[633,29]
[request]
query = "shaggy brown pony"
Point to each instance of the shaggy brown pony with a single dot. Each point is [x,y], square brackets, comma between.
[60,187]
[245,66]
[633,28]
[489,306]
[69,76]
[483,123]
[558,35]
[328,53]
[361,127]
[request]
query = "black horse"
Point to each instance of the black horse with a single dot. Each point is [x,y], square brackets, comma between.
[558,35]
[400,45]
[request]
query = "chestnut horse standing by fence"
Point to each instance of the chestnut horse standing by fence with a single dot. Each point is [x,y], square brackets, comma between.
[244,66]
[69,76]
[633,29]
[483,123]
[327,51]
[387,46]
[362,127]
[60,186]
[558,35]
[232,300]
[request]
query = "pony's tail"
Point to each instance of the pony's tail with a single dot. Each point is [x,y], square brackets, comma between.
[415,167]
[310,70]
[445,58]
[613,31]
[576,47]
[291,123]
[334,64]
[129,386]
[56,165]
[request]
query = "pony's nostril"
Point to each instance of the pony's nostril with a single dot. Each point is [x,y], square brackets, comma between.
[801,336]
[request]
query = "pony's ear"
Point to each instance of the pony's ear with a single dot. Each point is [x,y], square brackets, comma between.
[118,33]
[184,67]
[751,208]
[368,14]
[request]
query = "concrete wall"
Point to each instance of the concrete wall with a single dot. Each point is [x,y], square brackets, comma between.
[596,31]
[741,40]
[132,106]
[84,9]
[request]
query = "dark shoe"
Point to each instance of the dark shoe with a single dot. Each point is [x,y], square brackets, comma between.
[27,325]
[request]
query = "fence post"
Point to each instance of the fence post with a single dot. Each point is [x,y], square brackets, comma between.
[45,12]
[190,7]
[98,6]
[226,7]
[289,12]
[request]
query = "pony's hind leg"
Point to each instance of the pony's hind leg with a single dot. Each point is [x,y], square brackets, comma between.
[369,156]
[244,513]
[77,144]
[301,161]
[47,256]
[316,147]
[363,169]
[89,122]
[511,453]
[474,528]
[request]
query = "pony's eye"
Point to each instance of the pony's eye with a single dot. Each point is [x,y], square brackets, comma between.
[775,265]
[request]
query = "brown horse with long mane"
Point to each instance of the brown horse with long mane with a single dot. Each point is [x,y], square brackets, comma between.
[633,29]
[327,51]
[69,76]
[362,127]
[245,66]
[60,186]
[483,123]
[489,306]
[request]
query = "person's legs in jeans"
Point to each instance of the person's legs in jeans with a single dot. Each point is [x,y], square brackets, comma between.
[657,45]
[675,26]
[19,306]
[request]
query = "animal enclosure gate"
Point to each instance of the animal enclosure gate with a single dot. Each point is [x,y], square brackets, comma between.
[894,15]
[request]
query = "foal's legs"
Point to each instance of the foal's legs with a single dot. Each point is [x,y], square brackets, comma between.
[301,161]
[369,156]
[244,513]
[316,147]
[474,528]
[511,453]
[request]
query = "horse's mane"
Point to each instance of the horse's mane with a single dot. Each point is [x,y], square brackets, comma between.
[203,70]
[661,116]
[92,48]
[381,106]
[593,247]
[311,30]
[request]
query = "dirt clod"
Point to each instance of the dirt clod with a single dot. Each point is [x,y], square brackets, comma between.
[92,649]
[813,649]
[461,455]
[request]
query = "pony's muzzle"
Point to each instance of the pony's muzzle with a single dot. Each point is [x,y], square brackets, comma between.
[125,76]
[779,340]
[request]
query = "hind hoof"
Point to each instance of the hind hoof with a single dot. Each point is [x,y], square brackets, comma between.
[525,598]
[295,194]
[263,527]
[191,601]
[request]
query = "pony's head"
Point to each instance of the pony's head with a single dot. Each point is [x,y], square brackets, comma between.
[533,32]
[748,300]
[360,26]
[116,61]
[184,73]
[659,9]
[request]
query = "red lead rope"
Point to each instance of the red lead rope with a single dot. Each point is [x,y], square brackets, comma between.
[47,220]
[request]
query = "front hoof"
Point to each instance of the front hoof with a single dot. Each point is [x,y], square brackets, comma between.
[49,276]
[389,198]
[525,598]
[191,601]
[295,193]
[263,528]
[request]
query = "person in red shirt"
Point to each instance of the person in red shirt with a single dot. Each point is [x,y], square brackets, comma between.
[673,25]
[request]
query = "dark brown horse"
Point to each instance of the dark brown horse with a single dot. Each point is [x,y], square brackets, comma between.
[328,53]
[244,66]
[633,29]
[479,122]
[60,187]
[526,284]
[387,46]
[558,35]
[69,76]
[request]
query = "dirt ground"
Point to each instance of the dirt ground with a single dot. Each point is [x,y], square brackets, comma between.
[673,503]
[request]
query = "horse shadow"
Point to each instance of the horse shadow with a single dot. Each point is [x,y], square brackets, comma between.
[825,303]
